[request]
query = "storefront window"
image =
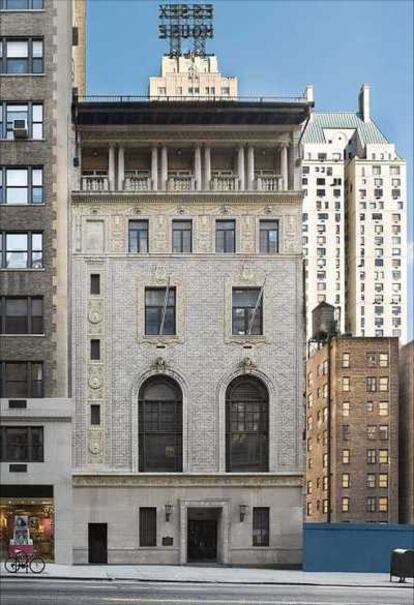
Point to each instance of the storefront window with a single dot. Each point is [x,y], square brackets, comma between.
[27,521]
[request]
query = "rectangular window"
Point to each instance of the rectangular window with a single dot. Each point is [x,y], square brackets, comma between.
[247,311]
[383,432]
[345,360]
[371,480]
[95,414]
[371,456]
[371,360]
[160,304]
[148,527]
[182,237]
[371,384]
[21,5]
[383,408]
[345,408]
[95,349]
[138,236]
[21,379]
[22,250]
[371,504]
[383,383]
[95,283]
[226,236]
[345,505]
[269,237]
[371,431]
[21,444]
[21,56]
[309,509]
[29,115]
[346,456]
[346,383]
[346,480]
[21,185]
[383,504]
[383,480]
[261,526]
[383,456]
[21,315]
[345,432]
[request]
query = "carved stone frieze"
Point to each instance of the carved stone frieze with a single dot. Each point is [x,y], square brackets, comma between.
[159,240]
[95,446]
[203,244]
[95,312]
[290,235]
[118,234]
[247,235]
[95,376]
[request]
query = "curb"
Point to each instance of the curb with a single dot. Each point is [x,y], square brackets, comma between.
[158,581]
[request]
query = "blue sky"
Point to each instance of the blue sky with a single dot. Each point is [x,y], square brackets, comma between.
[276,47]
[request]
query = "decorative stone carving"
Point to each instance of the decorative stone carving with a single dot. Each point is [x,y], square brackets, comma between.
[160,237]
[117,233]
[95,315]
[290,234]
[180,210]
[78,234]
[203,234]
[159,364]
[160,274]
[247,365]
[95,377]
[247,273]
[225,209]
[95,446]
[247,235]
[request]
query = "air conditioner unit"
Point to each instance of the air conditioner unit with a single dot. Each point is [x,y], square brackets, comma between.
[20,129]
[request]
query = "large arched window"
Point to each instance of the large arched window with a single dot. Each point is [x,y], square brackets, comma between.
[160,426]
[247,425]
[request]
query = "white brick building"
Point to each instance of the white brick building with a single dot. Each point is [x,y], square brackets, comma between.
[355,222]
[188,333]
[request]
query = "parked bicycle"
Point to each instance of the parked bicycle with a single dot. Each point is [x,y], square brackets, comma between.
[21,560]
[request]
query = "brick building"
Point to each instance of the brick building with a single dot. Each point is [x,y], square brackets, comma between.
[407,433]
[35,132]
[352,430]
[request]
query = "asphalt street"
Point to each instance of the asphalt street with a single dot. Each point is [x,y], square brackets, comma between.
[59,592]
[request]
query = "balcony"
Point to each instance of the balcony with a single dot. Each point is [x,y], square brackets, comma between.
[269,183]
[137,183]
[94,182]
[221,182]
[181,183]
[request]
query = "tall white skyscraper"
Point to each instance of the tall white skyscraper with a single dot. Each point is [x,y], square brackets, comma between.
[355,222]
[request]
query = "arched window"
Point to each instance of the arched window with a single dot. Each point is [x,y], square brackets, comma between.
[160,426]
[247,425]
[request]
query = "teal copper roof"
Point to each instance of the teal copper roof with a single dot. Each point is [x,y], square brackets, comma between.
[368,132]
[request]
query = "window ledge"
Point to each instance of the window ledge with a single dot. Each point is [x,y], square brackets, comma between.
[22,269]
[5,205]
[158,339]
[246,340]
[23,334]
[22,75]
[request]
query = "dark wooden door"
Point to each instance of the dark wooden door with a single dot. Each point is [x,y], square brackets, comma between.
[98,542]
[202,540]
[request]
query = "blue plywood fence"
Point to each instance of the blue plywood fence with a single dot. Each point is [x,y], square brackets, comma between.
[353,547]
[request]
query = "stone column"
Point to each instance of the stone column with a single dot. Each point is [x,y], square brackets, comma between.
[240,167]
[250,167]
[121,168]
[207,168]
[164,167]
[111,168]
[197,168]
[154,168]
[284,167]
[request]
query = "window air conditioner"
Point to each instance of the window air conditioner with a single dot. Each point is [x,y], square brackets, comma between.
[20,129]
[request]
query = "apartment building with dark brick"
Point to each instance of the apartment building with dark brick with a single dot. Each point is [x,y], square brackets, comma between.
[352,430]
[407,433]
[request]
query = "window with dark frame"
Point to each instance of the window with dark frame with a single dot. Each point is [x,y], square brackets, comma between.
[95,352]
[138,236]
[269,237]
[21,250]
[147,526]
[160,311]
[95,414]
[226,236]
[261,526]
[21,379]
[21,185]
[21,444]
[247,426]
[182,236]
[247,311]
[95,283]
[21,315]
[160,426]
[21,56]
[21,5]
[30,113]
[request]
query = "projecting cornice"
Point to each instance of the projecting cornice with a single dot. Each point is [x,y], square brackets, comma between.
[182,197]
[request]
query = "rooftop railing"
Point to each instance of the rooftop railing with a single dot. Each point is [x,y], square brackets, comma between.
[195,98]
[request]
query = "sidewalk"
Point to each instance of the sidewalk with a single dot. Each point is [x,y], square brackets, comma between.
[219,575]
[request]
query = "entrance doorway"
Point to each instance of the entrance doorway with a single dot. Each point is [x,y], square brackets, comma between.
[202,529]
[98,542]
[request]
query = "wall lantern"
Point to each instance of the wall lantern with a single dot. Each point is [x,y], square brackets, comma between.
[168,511]
[243,511]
